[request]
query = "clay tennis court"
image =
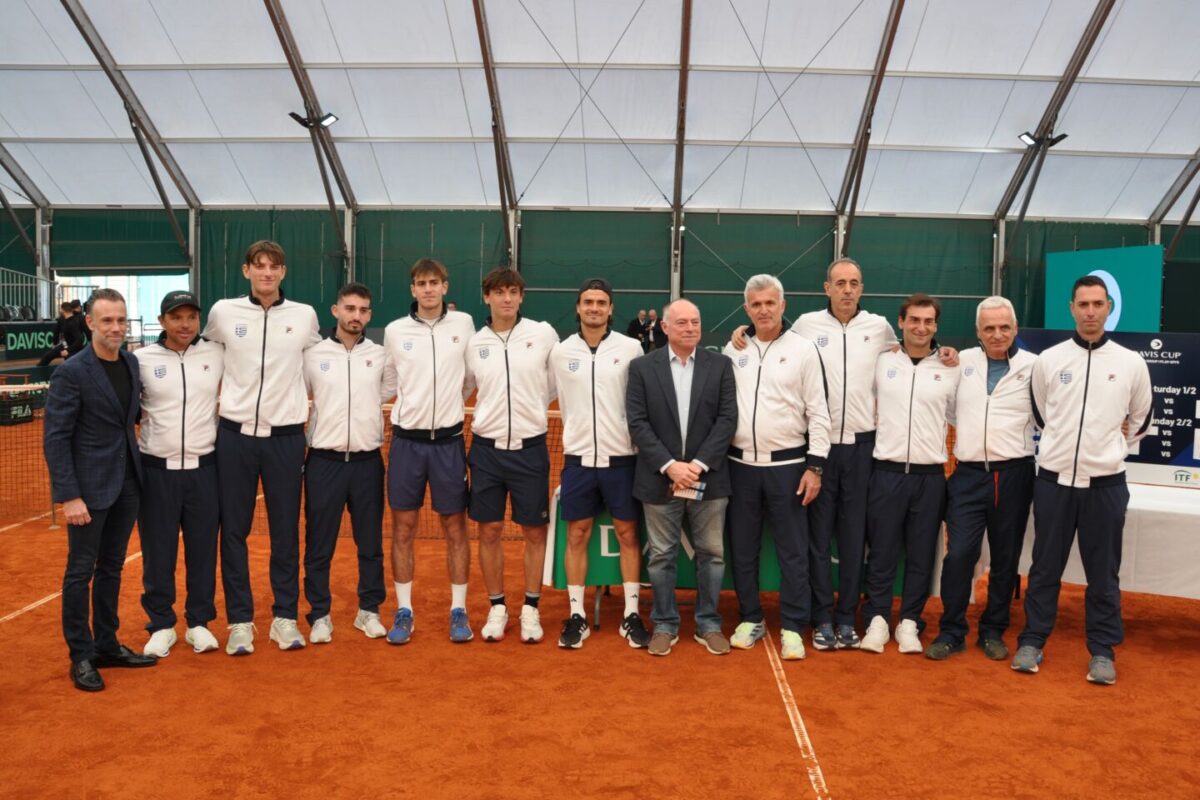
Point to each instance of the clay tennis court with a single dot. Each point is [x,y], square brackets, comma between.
[432,719]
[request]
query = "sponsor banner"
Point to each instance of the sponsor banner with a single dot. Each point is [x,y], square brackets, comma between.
[27,339]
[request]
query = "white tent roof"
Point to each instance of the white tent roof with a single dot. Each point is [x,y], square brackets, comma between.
[589,92]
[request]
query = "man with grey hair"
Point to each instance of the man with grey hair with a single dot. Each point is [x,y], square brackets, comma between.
[681,405]
[992,488]
[775,463]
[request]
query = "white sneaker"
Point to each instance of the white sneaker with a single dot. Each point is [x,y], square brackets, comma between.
[876,636]
[792,648]
[322,631]
[368,622]
[531,625]
[497,621]
[160,643]
[241,639]
[201,639]
[747,634]
[908,638]
[286,634]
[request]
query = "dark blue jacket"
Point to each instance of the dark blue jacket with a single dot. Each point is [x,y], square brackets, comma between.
[87,436]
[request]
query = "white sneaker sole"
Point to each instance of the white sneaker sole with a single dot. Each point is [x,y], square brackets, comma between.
[321,640]
[910,649]
[367,633]
[793,656]
[240,650]
[872,647]
[528,637]
[294,644]
[201,648]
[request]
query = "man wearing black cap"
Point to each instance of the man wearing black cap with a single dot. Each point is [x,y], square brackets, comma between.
[590,370]
[180,375]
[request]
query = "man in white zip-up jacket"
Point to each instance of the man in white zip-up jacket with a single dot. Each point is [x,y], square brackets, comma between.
[428,347]
[992,486]
[264,406]
[508,359]
[349,377]
[590,371]
[1084,391]
[180,375]
[775,463]
[915,396]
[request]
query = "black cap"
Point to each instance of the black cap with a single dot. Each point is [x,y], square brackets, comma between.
[596,283]
[178,299]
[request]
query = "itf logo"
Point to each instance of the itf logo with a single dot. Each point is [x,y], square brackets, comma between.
[1114,291]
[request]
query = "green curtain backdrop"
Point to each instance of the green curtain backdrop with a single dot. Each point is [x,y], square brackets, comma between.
[721,251]
[309,242]
[13,254]
[469,243]
[561,249]
[1181,281]
[110,241]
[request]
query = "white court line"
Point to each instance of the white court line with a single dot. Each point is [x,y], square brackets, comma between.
[19,524]
[49,597]
[815,776]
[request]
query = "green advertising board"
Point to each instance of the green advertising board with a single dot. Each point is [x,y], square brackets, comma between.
[1133,276]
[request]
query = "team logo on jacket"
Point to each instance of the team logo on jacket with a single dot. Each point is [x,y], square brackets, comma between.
[822,341]
[484,352]
[324,366]
[160,372]
[368,362]
[573,365]
[1064,376]
[937,377]
[206,368]
[783,359]
[891,374]
[239,330]
[1111,377]
[407,344]
[288,329]
[866,338]
[743,361]
[968,372]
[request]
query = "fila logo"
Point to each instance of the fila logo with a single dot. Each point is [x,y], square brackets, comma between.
[866,338]
[288,329]
[454,339]
[937,377]
[205,367]
[528,345]
[368,362]
[1111,377]
[783,359]
[616,361]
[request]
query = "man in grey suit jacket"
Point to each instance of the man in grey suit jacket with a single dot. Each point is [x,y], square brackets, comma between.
[95,472]
[681,404]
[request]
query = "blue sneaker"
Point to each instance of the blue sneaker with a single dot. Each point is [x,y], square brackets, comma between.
[823,637]
[460,628]
[402,627]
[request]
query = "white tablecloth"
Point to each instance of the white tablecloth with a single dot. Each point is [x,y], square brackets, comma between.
[1160,552]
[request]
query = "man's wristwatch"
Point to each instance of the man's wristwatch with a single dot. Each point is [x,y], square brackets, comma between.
[820,471]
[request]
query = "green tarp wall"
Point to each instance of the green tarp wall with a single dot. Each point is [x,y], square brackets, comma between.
[13,254]
[559,249]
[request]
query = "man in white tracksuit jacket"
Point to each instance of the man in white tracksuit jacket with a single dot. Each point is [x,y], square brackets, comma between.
[915,393]
[1084,390]
[992,486]
[350,377]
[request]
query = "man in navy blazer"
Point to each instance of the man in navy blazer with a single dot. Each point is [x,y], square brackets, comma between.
[681,404]
[95,472]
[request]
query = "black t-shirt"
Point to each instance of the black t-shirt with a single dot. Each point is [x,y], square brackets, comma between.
[118,375]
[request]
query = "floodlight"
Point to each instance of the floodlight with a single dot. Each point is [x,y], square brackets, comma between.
[1026,138]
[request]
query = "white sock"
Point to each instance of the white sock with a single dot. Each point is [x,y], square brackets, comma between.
[575,595]
[631,597]
[458,595]
[404,594]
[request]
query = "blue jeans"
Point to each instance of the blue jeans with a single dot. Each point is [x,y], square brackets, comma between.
[664,526]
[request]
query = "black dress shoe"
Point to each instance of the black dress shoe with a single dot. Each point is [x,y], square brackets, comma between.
[85,677]
[124,658]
